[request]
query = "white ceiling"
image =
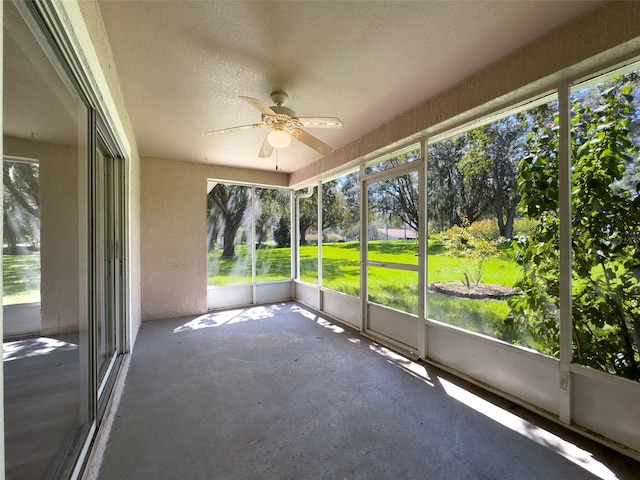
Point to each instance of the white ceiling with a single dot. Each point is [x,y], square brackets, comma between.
[183,64]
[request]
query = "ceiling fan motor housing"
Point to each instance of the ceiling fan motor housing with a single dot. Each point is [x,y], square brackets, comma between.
[283,111]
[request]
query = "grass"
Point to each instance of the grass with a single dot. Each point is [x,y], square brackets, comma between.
[21,278]
[394,288]
[341,272]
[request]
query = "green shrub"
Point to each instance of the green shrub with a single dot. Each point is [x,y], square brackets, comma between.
[332,238]
[471,250]
[524,227]
[485,229]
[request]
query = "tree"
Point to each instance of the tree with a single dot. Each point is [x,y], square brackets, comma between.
[396,194]
[605,233]
[271,204]
[282,234]
[333,207]
[308,215]
[231,202]
[214,223]
[470,250]
[21,200]
[332,203]
[505,148]
[443,179]
[350,188]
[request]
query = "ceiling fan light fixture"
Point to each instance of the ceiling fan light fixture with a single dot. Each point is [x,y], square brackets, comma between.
[279,139]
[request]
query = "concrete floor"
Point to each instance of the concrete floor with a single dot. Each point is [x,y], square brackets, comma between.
[278,392]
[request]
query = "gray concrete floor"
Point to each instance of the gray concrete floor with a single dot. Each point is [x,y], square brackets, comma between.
[277,392]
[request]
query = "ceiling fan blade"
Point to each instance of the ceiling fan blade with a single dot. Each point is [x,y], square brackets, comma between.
[311,141]
[233,129]
[258,105]
[266,150]
[321,122]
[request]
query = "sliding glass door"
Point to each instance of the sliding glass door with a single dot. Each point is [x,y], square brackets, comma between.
[64,252]
[108,240]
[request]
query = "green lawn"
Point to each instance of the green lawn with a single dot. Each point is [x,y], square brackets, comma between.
[21,278]
[394,288]
[341,272]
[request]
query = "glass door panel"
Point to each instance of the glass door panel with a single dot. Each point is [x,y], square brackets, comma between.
[108,242]
[46,368]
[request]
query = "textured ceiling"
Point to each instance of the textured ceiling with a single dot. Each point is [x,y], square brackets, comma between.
[182,64]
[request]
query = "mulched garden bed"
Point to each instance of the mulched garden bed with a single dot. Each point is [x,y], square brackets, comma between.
[459,289]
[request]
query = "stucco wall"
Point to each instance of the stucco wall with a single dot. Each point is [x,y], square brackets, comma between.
[60,256]
[173,232]
[173,203]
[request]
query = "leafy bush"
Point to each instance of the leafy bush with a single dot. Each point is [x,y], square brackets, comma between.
[332,238]
[485,229]
[605,306]
[471,250]
[524,227]
[281,233]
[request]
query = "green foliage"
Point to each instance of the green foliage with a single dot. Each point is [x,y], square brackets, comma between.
[524,226]
[394,201]
[606,229]
[485,229]
[227,206]
[471,249]
[332,238]
[605,233]
[282,234]
[536,308]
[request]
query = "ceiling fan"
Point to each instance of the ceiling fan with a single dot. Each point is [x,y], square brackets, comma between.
[285,125]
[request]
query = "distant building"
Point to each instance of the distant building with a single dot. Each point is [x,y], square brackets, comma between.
[397,234]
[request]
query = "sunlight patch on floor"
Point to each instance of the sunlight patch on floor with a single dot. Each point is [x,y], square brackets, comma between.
[227,317]
[409,366]
[568,450]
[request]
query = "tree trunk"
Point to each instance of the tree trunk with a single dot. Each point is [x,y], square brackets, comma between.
[508,227]
[11,238]
[303,235]
[229,249]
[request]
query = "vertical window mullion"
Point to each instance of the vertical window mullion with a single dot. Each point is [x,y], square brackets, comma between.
[422,252]
[320,233]
[254,252]
[564,179]
[364,242]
